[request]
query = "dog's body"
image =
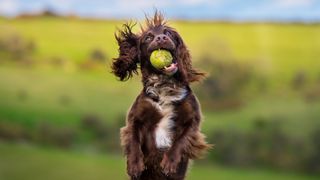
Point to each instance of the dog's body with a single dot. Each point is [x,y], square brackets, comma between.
[162,129]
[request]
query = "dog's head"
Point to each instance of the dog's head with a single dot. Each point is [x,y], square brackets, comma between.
[136,49]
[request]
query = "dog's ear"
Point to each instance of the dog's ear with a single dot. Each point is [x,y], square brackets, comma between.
[187,72]
[125,65]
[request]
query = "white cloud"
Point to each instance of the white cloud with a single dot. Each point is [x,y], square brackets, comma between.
[199,2]
[120,8]
[142,4]
[137,8]
[9,7]
[127,6]
[293,3]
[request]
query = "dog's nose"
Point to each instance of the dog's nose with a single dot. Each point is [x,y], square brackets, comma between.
[161,38]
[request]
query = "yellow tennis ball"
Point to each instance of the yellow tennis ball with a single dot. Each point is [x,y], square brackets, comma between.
[160,58]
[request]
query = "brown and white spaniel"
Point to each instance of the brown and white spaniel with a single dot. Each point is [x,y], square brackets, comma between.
[162,129]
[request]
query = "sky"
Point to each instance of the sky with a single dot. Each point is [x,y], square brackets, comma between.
[233,10]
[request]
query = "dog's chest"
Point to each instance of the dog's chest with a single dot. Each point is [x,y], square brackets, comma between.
[166,95]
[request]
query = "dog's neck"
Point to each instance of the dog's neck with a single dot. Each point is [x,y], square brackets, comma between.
[164,88]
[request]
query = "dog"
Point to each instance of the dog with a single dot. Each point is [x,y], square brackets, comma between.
[162,131]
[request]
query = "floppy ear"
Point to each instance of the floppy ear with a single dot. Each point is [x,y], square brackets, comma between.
[187,72]
[126,64]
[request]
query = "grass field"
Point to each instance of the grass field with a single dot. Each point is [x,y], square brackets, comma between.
[87,93]
[63,96]
[101,95]
[279,49]
[22,161]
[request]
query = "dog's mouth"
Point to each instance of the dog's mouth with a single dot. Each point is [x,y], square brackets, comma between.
[173,67]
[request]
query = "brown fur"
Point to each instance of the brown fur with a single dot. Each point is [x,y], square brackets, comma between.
[144,159]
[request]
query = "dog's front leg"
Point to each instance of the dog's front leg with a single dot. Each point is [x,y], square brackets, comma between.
[172,157]
[135,163]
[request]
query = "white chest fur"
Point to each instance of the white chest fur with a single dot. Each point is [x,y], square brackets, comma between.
[163,131]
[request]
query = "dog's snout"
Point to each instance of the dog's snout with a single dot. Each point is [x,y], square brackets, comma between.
[161,41]
[161,38]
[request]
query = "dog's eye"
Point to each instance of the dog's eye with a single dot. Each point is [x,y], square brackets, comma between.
[168,33]
[148,38]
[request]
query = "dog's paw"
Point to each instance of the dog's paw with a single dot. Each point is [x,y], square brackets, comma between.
[135,168]
[169,163]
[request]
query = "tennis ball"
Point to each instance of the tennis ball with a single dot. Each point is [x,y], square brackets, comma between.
[160,58]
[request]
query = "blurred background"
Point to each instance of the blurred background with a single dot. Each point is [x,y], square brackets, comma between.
[61,108]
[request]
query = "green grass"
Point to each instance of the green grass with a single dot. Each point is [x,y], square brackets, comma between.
[281,49]
[292,112]
[88,93]
[63,96]
[71,39]
[277,49]
[22,161]
[100,94]
[27,162]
